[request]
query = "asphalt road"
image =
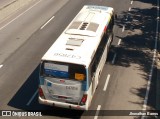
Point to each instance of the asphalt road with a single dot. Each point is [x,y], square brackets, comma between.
[4,2]
[25,37]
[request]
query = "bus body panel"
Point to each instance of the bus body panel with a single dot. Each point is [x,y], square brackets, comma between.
[62,104]
[71,68]
[64,90]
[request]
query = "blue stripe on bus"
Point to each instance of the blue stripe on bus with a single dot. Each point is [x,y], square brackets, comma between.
[84,85]
[97,7]
[87,82]
[57,73]
[49,84]
[41,81]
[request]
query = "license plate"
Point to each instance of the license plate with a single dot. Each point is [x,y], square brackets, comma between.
[61,98]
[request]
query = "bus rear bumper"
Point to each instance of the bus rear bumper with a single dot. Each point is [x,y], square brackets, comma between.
[61,104]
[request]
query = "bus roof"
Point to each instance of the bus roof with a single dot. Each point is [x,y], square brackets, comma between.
[79,41]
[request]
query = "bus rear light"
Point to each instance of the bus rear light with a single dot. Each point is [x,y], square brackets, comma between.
[41,94]
[62,81]
[83,100]
[105,28]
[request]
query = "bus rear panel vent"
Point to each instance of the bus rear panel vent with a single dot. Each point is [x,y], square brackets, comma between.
[84,26]
[75,25]
[93,27]
[69,49]
[74,42]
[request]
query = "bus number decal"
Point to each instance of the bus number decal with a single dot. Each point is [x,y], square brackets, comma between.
[67,55]
[71,88]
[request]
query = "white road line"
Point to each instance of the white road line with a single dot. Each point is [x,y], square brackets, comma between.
[123,28]
[153,61]
[19,15]
[131,2]
[1,66]
[114,58]
[144,106]
[126,18]
[29,102]
[97,112]
[119,41]
[47,22]
[106,83]
[129,9]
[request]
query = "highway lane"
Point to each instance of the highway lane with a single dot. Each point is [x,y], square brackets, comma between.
[17,30]
[4,2]
[133,60]
[126,76]
[26,58]
[13,37]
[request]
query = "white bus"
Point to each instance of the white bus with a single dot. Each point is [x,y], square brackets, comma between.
[71,68]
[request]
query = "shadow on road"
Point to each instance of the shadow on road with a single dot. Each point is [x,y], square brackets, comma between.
[138,45]
[21,100]
[137,48]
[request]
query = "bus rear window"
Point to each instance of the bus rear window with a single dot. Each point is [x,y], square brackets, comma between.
[56,70]
[63,70]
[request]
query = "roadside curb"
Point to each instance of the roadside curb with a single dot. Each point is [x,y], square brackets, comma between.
[158,84]
[158,81]
[11,7]
[158,77]
[158,63]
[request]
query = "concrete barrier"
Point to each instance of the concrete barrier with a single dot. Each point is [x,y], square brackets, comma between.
[11,7]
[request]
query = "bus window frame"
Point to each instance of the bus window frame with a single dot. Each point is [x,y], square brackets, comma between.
[69,70]
[104,40]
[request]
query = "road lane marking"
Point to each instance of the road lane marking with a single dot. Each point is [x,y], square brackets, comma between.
[131,2]
[126,18]
[123,28]
[129,9]
[106,83]
[119,41]
[29,102]
[20,15]
[135,20]
[1,66]
[152,66]
[144,107]
[97,112]
[114,58]
[47,22]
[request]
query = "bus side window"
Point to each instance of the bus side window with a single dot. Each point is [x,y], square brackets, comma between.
[97,57]
[109,29]
[113,17]
[93,69]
